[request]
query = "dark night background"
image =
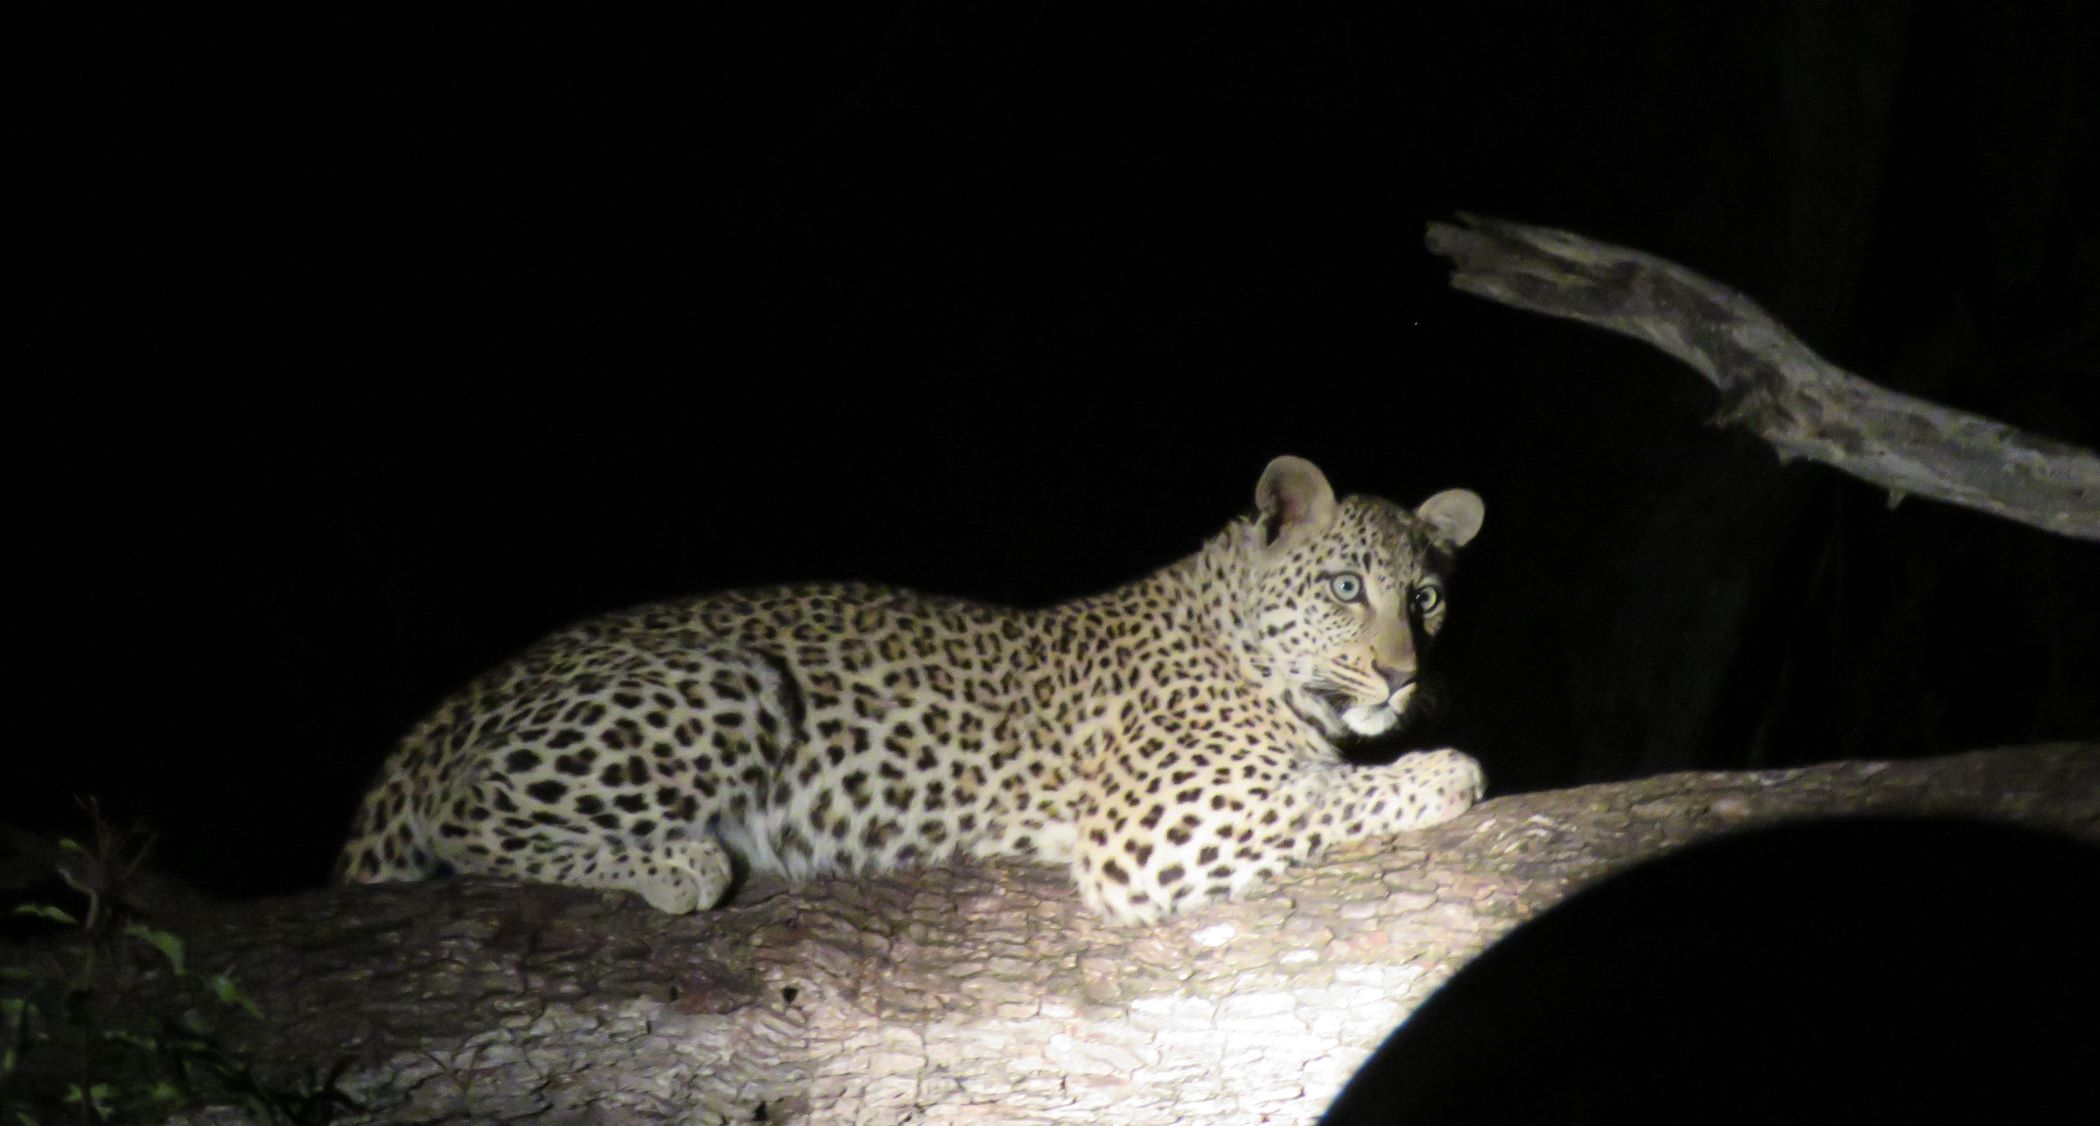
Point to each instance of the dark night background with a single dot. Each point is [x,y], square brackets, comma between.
[356,354]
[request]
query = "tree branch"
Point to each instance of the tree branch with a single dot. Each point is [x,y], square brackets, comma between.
[1774,385]
[981,993]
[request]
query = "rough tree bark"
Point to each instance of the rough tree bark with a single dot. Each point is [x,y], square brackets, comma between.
[980,993]
[1774,385]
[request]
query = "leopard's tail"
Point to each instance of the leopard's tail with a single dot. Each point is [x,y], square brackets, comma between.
[389,841]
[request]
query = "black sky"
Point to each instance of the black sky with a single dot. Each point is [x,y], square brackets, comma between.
[358,353]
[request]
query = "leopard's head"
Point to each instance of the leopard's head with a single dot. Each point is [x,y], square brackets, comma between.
[1346,594]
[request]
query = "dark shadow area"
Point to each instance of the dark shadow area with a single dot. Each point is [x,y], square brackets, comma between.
[1844,971]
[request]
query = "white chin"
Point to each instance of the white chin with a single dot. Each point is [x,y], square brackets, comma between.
[1376,720]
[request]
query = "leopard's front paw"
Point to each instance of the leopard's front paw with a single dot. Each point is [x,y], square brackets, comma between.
[1446,783]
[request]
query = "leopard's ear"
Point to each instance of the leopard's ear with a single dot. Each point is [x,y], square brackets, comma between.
[1296,503]
[1453,516]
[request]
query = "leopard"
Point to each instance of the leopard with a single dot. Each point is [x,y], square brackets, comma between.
[1175,741]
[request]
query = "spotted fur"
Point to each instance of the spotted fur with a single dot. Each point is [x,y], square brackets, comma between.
[1172,741]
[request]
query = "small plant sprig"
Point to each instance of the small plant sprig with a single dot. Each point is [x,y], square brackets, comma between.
[73,1049]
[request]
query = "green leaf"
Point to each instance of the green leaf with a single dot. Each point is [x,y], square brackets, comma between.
[225,990]
[162,941]
[70,843]
[96,1097]
[126,1036]
[46,911]
[17,973]
[164,1092]
[23,1119]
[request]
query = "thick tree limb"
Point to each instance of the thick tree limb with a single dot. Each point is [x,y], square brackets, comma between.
[1771,383]
[980,993]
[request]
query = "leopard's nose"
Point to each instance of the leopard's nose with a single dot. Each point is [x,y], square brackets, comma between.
[1396,679]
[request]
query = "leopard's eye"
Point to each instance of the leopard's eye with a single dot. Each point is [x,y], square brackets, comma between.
[1347,586]
[1425,599]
